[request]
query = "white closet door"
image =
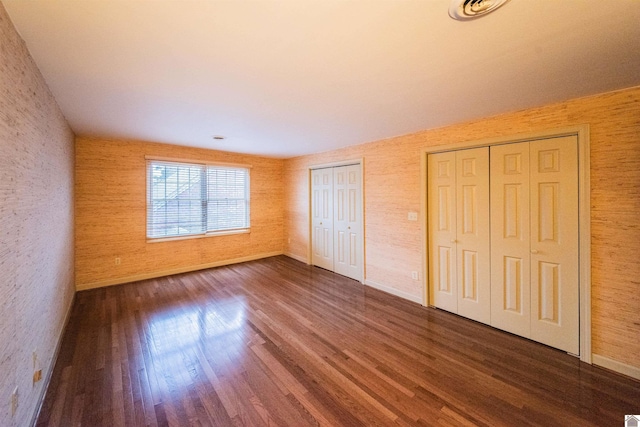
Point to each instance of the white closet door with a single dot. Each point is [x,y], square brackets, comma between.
[347,221]
[508,256]
[472,241]
[554,243]
[442,230]
[510,242]
[322,217]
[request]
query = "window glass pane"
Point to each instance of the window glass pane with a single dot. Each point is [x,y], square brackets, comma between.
[228,194]
[226,214]
[176,207]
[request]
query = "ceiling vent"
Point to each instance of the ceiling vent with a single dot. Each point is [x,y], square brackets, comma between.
[463,10]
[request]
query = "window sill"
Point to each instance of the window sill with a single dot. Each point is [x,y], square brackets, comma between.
[199,236]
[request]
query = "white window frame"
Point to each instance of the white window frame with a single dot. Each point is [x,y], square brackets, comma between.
[206,167]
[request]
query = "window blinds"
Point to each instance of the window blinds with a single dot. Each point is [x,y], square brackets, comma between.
[189,199]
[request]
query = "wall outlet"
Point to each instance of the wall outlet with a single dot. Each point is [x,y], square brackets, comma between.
[289,240]
[37,373]
[117,260]
[412,216]
[415,275]
[14,401]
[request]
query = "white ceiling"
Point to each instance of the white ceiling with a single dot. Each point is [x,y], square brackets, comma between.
[284,78]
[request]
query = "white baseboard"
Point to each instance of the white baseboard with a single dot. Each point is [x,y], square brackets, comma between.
[614,365]
[162,273]
[296,257]
[394,291]
[52,365]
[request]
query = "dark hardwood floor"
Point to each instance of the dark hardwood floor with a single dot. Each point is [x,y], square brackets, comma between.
[276,342]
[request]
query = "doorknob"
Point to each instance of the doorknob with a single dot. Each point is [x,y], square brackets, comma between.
[453,240]
[534,251]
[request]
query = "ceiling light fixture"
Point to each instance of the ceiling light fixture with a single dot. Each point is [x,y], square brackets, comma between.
[464,10]
[218,137]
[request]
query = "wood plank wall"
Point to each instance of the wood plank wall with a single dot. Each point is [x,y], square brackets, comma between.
[392,188]
[36,225]
[111,214]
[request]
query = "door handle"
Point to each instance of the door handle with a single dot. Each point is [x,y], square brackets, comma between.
[454,241]
[534,251]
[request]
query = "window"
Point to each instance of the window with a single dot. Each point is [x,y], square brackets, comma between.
[186,199]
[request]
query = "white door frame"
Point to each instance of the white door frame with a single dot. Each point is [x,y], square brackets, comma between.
[362,227]
[584,214]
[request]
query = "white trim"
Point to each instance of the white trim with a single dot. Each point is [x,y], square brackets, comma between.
[197,162]
[178,270]
[393,291]
[619,367]
[297,258]
[200,235]
[584,224]
[580,130]
[336,164]
[310,215]
[363,222]
[423,232]
[52,363]
[584,213]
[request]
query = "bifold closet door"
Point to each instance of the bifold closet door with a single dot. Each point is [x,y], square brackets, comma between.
[336,220]
[458,199]
[534,241]
[347,221]
[554,243]
[441,192]
[472,242]
[322,217]
[510,239]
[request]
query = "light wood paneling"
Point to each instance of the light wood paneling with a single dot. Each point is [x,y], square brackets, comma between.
[392,189]
[36,226]
[111,213]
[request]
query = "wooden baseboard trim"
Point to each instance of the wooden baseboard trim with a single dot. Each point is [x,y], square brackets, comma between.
[162,273]
[393,291]
[614,365]
[296,257]
[52,365]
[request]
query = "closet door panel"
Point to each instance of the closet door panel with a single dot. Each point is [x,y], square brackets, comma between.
[472,235]
[510,238]
[348,221]
[442,230]
[322,217]
[554,243]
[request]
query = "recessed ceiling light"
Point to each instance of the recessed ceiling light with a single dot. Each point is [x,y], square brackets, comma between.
[463,10]
[218,137]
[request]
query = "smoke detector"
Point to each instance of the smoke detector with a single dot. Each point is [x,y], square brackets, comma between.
[463,10]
